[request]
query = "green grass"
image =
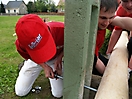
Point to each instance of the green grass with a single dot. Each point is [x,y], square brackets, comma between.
[9,58]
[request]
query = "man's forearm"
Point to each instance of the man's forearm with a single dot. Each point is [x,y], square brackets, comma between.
[123,22]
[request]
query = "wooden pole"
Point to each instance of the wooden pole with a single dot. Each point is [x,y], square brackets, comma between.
[114,83]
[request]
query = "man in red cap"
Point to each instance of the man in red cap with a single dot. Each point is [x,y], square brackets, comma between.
[41,45]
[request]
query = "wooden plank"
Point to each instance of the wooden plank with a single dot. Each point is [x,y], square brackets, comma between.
[114,84]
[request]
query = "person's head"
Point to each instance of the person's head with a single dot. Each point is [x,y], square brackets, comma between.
[127,5]
[107,13]
[34,36]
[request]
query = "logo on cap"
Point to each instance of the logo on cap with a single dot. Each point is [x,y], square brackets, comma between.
[35,43]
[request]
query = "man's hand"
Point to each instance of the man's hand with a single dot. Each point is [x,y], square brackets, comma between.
[47,70]
[58,64]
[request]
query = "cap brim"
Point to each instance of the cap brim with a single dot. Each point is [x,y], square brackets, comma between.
[45,53]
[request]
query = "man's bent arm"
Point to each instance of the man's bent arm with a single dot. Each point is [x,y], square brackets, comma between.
[123,22]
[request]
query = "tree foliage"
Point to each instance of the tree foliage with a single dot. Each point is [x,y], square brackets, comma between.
[105,45]
[61,5]
[2,8]
[31,7]
[41,6]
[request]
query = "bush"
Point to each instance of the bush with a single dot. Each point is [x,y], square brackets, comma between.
[105,45]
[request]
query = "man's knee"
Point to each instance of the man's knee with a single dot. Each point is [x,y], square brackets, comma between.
[21,92]
[57,94]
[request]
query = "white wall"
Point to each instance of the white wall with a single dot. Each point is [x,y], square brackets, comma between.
[23,9]
[12,10]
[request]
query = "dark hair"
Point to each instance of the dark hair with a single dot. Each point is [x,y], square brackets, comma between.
[108,5]
[124,0]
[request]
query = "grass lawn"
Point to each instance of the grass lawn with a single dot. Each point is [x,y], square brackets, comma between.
[9,60]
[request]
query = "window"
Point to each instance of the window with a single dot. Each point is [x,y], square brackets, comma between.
[8,11]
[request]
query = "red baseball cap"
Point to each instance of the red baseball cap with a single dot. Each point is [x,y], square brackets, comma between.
[34,36]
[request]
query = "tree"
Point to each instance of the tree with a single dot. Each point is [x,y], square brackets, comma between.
[51,6]
[31,7]
[45,5]
[61,5]
[2,10]
[41,6]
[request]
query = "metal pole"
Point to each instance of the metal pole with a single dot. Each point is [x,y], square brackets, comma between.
[87,87]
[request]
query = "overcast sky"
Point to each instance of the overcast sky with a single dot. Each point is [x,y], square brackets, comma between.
[26,1]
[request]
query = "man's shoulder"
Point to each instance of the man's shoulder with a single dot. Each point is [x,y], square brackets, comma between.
[121,11]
